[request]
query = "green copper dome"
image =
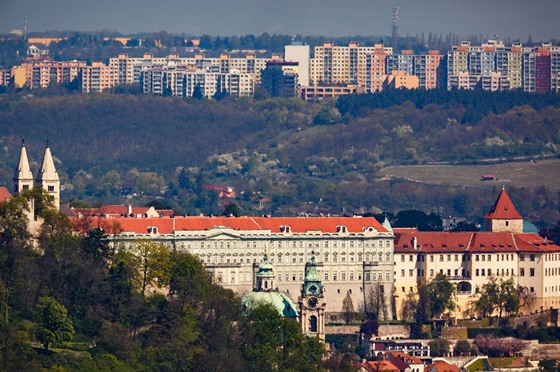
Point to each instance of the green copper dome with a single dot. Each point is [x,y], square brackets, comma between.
[279,301]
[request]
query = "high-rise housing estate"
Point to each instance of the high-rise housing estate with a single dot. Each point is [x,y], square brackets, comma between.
[371,67]
[493,66]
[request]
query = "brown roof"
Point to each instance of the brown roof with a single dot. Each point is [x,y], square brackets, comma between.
[4,194]
[379,366]
[503,208]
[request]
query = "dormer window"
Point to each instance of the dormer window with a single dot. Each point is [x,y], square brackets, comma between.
[152,230]
[341,229]
[285,229]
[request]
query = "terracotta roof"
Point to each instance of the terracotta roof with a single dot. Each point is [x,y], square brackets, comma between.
[484,241]
[403,356]
[297,224]
[530,242]
[428,241]
[122,209]
[378,366]
[492,242]
[503,208]
[4,194]
[441,366]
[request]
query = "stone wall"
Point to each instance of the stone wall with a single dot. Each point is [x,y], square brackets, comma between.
[386,331]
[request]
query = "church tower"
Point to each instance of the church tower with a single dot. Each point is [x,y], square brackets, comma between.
[23,181]
[48,177]
[503,217]
[312,304]
[23,178]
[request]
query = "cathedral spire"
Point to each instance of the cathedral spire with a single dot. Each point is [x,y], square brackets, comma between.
[48,177]
[23,178]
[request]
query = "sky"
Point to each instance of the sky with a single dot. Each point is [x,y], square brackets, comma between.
[514,18]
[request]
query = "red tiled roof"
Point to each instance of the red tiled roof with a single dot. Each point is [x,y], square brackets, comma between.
[441,366]
[503,208]
[531,242]
[403,356]
[4,194]
[297,224]
[491,242]
[428,241]
[122,209]
[378,366]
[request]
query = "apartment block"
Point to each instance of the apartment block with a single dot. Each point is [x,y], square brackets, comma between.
[40,74]
[493,66]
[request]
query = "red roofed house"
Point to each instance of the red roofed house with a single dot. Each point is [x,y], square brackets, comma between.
[441,366]
[377,366]
[4,194]
[468,259]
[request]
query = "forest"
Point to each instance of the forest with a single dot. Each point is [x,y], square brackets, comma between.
[282,156]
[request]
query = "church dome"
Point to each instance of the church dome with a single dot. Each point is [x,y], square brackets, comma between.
[266,293]
[277,300]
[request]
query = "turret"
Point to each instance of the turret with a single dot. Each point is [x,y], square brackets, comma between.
[503,217]
[312,304]
[48,177]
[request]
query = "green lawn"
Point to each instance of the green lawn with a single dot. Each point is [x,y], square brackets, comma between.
[530,174]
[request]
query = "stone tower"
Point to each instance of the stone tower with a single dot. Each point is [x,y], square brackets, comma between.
[48,177]
[503,217]
[312,304]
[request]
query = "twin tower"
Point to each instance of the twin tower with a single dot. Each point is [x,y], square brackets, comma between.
[47,175]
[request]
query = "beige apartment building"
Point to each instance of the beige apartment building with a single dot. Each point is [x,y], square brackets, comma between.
[40,74]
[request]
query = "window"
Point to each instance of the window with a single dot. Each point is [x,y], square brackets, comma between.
[441,258]
[456,257]
[411,272]
[343,276]
[402,258]
[326,276]
[51,188]
[489,258]
[431,272]
[532,272]
[431,258]
[448,257]
[411,258]
[476,258]
[476,272]
[402,272]
[521,257]
[532,257]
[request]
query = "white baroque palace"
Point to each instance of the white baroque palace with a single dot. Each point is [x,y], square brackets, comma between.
[352,253]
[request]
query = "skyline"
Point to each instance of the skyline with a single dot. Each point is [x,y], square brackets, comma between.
[331,18]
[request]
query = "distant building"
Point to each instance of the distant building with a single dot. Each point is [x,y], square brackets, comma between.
[301,54]
[494,67]
[280,78]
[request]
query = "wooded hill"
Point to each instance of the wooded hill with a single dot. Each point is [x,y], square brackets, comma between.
[283,156]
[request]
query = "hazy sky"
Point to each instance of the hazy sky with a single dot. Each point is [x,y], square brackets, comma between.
[515,18]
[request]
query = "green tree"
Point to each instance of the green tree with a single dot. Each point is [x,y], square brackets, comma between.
[462,347]
[348,312]
[441,295]
[53,325]
[153,262]
[439,347]
[497,295]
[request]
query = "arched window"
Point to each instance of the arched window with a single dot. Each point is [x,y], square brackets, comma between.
[312,323]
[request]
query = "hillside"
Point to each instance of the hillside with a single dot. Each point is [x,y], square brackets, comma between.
[521,174]
[283,156]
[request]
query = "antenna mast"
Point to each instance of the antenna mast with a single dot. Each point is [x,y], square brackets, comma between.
[25,28]
[395,28]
